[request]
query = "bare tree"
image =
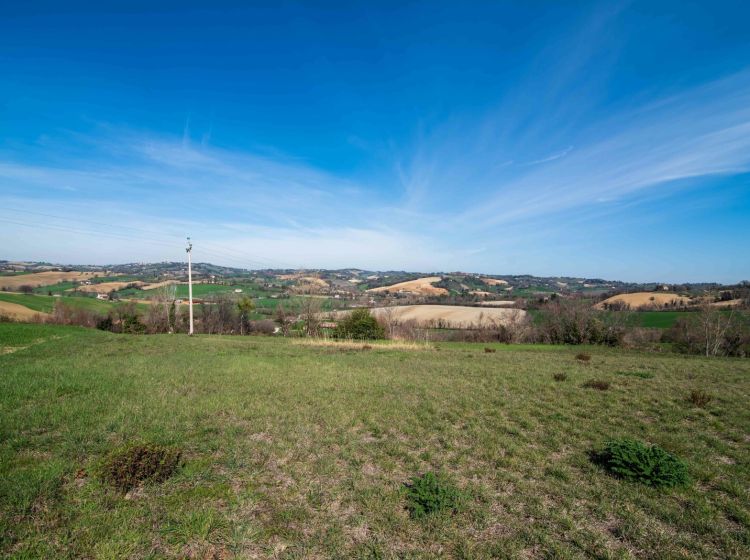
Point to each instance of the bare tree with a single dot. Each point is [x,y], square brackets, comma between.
[714,326]
[310,309]
[387,318]
[284,318]
[161,313]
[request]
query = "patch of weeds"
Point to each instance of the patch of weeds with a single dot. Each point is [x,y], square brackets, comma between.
[560,376]
[597,384]
[488,350]
[641,374]
[583,357]
[699,398]
[429,494]
[639,462]
[132,465]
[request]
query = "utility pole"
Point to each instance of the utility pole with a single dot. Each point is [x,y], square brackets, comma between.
[189,252]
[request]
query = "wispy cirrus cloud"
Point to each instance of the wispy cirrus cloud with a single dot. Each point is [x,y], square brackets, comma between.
[701,132]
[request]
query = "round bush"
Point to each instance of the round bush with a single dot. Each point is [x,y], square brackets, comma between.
[639,462]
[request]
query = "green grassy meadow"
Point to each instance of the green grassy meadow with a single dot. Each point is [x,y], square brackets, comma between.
[301,451]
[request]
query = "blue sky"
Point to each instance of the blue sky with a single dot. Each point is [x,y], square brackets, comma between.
[564,138]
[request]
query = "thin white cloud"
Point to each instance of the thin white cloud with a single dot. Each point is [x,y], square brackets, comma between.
[552,157]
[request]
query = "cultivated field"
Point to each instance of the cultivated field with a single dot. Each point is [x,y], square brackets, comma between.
[106,287]
[494,282]
[42,279]
[301,451]
[156,285]
[645,300]
[17,312]
[498,303]
[421,286]
[448,316]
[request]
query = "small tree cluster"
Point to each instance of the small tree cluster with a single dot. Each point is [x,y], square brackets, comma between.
[359,325]
[576,322]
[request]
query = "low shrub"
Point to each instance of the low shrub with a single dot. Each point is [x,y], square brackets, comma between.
[130,466]
[699,398]
[598,384]
[429,494]
[560,376]
[583,357]
[638,462]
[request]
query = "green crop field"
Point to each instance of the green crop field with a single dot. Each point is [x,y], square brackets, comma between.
[202,290]
[58,288]
[291,450]
[661,319]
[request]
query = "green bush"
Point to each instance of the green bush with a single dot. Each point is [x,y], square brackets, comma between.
[639,462]
[429,493]
[132,465]
[359,325]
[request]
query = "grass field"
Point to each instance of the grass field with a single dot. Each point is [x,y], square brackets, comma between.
[661,319]
[301,451]
[45,304]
